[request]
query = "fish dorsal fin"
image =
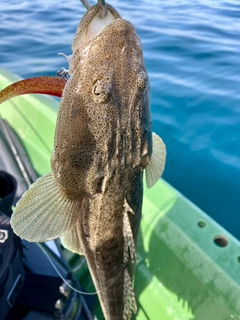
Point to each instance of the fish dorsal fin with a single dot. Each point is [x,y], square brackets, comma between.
[130,305]
[129,254]
[156,166]
[129,244]
[70,240]
[44,212]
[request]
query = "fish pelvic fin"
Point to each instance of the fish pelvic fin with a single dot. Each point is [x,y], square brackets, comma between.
[45,211]
[71,240]
[154,170]
[130,305]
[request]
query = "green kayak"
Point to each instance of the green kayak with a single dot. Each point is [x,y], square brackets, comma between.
[188,265]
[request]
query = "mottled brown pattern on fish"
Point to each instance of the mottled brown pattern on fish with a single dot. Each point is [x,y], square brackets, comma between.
[103,150]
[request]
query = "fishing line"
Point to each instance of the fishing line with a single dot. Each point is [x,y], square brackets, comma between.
[66,282]
[79,266]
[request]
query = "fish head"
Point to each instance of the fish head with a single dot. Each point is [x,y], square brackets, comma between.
[104,121]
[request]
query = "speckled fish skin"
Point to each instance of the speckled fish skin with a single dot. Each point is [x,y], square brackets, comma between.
[102,144]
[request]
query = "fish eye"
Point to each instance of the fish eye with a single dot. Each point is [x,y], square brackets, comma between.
[101,90]
[98,87]
[97,93]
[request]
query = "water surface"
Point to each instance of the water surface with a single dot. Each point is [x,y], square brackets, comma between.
[192,54]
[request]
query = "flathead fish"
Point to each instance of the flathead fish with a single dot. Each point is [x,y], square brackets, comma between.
[92,199]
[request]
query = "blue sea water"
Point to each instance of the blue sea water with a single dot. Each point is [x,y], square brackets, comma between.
[192,54]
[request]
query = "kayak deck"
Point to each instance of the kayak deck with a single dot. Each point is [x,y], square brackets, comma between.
[188,265]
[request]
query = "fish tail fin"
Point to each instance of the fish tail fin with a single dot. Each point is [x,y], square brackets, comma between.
[45,211]
[156,166]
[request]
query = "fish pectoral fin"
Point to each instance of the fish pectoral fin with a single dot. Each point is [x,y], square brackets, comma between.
[44,212]
[130,305]
[71,240]
[154,170]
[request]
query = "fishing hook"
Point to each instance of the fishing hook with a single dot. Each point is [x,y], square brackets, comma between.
[103,12]
[103,8]
[86,4]
[103,2]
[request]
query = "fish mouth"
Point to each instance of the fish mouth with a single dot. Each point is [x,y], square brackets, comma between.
[96,19]
[99,22]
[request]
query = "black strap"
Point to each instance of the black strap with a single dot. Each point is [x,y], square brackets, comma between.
[8,187]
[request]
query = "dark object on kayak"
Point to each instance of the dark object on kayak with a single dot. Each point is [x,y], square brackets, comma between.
[30,288]
[8,186]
